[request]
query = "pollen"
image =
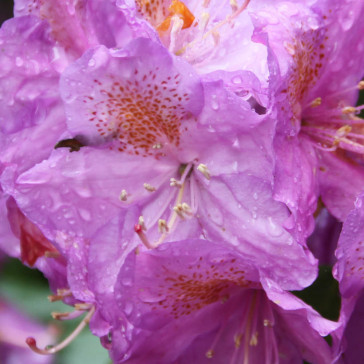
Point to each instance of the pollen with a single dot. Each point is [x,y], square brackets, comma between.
[149,187]
[204,170]
[163,226]
[123,195]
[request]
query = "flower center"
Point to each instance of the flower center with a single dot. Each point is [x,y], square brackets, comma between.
[170,18]
[326,122]
[181,210]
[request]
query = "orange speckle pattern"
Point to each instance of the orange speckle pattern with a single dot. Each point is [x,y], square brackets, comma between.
[143,113]
[204,284]
[308,52]
[154,11]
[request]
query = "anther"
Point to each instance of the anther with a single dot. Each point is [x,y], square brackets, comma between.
[361,85]
[61,294]
[149,187]
[175,183]
[237,340]
[204,170]
[141,223]
[179,210]
[82,306]
[234,5]
[209,354]
[316,102]
[182,209]
[157,146]
[123,195]
[162,226]
[187,209]
[343,131]
[348,110]
[267,323]
[254,339]
[52,254]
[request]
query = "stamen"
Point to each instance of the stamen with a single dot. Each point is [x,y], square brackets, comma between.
[139,230]
[175,183]
[254,339]
[205,17]
[209,354]
[52,254]
[31,342]
[67,315]
[61,294]
[157,146]
[204,170]
[215,29]
[179,211]
[316,102]
[82,306]
[248,329]
[123,195]
[187,209]
[149,187]
[234,5]
[141,223]
[348,110]
[162,226]
[361,85]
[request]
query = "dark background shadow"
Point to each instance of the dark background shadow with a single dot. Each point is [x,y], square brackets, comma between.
[6,10]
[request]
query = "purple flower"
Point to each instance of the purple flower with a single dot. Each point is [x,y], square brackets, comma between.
[78,25]
[319,137]
[14,329]
[195,301]
[204,33]
[349,271]
[187,158]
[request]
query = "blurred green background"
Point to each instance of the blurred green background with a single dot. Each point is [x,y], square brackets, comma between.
[27,289]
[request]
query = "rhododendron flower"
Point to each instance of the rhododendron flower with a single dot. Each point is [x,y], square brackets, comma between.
[196,301]
[161,164]
[349,271]
[204,33]
[318,50]
[192,157]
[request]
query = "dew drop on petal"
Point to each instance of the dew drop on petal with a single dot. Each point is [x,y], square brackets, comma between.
[236,80]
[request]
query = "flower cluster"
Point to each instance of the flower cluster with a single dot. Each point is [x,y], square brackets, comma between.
[164,164]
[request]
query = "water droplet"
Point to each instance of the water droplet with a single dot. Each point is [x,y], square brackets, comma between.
[237,80]
[214,104]
[85,214]
[19,61]
[126,281]
[128,308]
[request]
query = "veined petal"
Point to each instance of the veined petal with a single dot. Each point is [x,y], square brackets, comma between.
[80,191]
